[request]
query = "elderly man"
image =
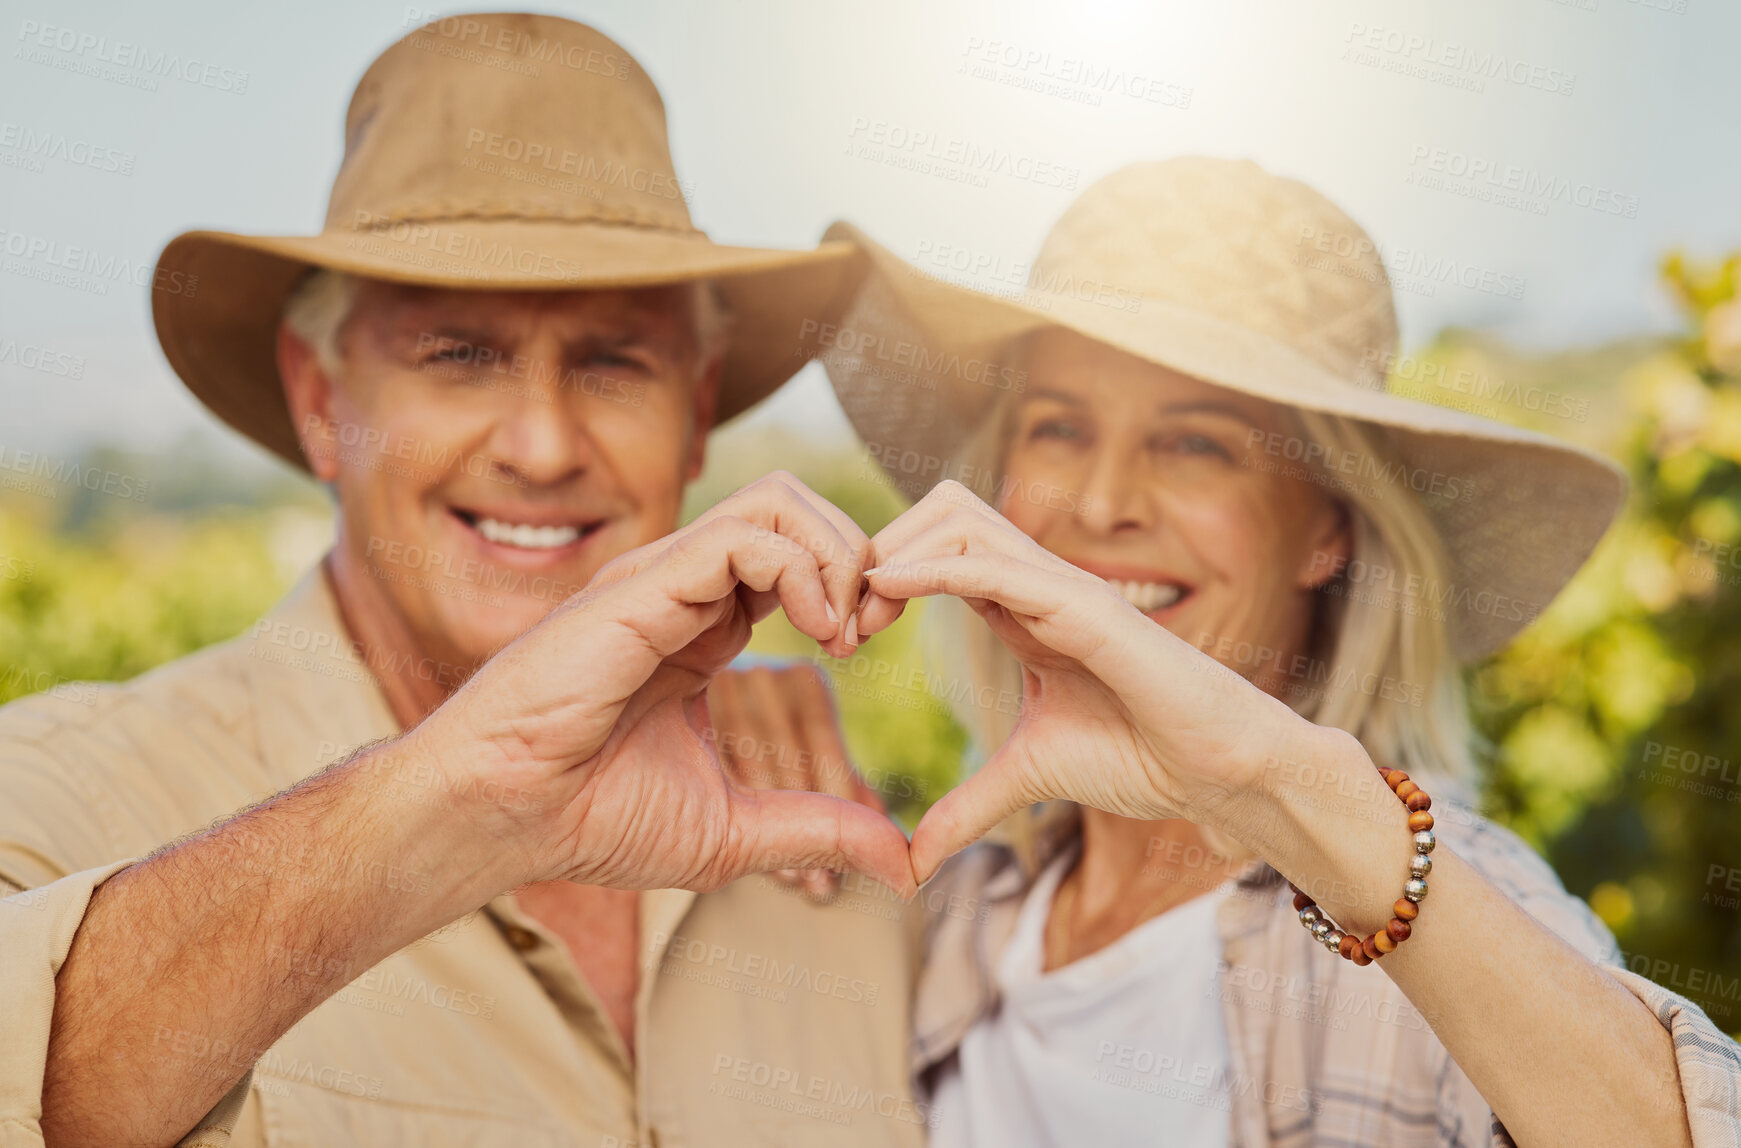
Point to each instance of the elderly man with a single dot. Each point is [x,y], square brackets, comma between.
[503,354]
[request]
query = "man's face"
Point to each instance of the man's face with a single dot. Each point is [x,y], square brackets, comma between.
[492,449]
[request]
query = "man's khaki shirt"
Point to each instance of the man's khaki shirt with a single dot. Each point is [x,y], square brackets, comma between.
[761,1018]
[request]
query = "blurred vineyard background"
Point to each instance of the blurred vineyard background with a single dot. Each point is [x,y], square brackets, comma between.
[1615,721]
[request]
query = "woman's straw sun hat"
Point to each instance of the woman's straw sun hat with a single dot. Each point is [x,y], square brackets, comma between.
[1222,271]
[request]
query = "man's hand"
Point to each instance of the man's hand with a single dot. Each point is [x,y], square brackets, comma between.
[600,711]
[776,728]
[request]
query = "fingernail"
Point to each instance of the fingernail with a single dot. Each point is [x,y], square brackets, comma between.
[873,570]
[833,616]
[852,630]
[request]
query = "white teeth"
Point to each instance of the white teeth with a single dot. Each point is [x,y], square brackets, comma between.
[527,537]
[1147,596]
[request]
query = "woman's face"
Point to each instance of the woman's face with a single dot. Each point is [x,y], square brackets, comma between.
[1177,492]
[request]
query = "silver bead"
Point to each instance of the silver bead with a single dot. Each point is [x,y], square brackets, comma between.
[1424,841]
[1310,916]
[1333,942]
[1415,890]
[1323,929]
[1420,865]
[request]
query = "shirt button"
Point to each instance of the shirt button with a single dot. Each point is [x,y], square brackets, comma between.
[523,939]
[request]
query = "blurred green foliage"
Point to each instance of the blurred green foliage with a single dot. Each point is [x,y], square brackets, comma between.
[108,606]
[1616,719]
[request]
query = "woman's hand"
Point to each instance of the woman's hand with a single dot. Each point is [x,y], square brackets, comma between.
[1117,712]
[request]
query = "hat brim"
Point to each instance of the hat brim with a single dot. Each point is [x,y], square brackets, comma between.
[217,297]
[1519,512]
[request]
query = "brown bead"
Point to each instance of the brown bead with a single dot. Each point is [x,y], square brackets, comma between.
[1407,790]
[1418,802]
[1370,947]
[1383,942]
[1395,777]
[1360,958]
[1405,909]
[1419,821]
[1300,902]
[1349,943]
[1398,930]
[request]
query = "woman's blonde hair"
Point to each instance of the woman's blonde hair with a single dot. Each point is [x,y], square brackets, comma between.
[1380,663]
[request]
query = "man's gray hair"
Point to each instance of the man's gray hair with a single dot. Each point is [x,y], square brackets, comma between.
[316,312]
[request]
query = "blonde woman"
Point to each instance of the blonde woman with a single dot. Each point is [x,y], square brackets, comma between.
[1233,580]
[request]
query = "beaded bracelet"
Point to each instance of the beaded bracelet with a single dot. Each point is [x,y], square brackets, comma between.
[1407,907]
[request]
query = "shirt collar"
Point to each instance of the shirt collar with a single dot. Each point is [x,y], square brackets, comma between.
[315,698]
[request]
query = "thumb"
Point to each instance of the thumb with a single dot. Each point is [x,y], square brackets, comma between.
[967,813]
[797,829]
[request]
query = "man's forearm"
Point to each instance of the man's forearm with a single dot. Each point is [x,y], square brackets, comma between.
[192,963]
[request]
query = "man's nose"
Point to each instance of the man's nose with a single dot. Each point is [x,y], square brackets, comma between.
[539,438]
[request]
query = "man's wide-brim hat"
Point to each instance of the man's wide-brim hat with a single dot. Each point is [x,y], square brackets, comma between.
[1221,271]
[500,152]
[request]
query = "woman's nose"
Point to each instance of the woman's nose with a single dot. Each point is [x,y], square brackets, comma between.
[1116,496]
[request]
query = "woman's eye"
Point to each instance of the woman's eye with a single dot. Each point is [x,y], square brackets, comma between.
[1199,445]
[1056,429]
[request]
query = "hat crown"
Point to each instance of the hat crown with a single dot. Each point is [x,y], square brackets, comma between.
[1228,239]
[506,116]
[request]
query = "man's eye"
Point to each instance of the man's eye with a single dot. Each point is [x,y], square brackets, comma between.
[464,354]
[615,361]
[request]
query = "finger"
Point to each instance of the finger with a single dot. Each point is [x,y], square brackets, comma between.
[782,504]
[680,594]
[753,497]
[878,613]
[766,562]
[773,732]
[783,827]
[943,500]
[1009,582]
[967,813]
[1072,614]
[843,522]
[818,732]
[818,885]
[947,527]
[844,581]
[631,562]
[724,704]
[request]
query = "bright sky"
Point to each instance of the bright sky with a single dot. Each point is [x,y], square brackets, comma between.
[1616,119]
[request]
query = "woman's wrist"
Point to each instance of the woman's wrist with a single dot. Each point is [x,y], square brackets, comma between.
[1322,816]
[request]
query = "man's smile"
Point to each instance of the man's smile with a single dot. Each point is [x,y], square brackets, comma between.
[544,535]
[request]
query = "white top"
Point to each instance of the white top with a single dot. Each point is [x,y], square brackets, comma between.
[1124,1046]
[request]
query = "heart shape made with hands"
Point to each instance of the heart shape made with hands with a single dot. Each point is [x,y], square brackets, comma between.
[1117,712]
